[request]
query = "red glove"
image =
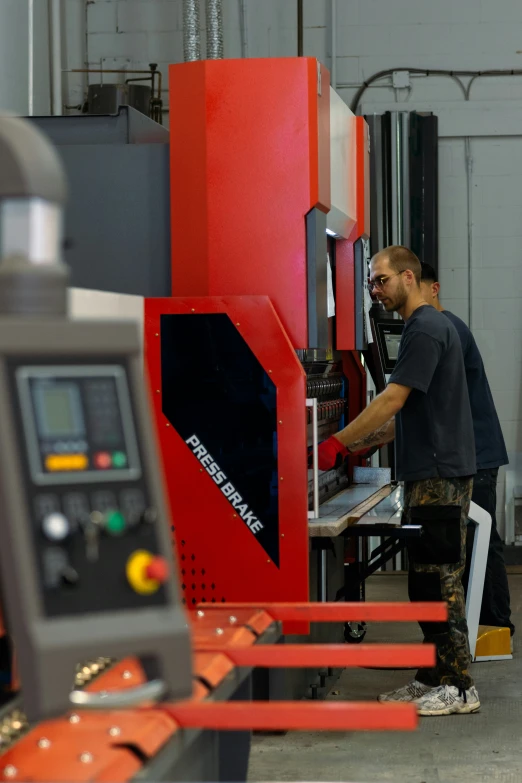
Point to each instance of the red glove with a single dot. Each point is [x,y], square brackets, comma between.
[331,453]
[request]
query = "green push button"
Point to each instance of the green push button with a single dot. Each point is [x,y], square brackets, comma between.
[115,523]
[119,459]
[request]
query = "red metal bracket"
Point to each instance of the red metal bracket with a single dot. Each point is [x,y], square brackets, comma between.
[393,612]
[293,716]
[279,656]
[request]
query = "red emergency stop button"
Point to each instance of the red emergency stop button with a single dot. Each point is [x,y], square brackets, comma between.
[146,572]
[157,569]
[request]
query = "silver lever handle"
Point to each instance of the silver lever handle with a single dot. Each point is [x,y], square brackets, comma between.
[312,403]
[110,700]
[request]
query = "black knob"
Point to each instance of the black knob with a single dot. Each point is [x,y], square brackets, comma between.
[70,576]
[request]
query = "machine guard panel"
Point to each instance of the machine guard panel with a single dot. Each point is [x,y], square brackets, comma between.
[221,556]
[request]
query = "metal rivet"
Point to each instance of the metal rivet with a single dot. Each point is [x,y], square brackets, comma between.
[219,632]
[282,535]
[200,613]
[280,421]
[74,718]
[282,479]
[86,758]
[126,675]
[232,619]
[156,335]
[157,391]
[268,561]
[44,743]
[114,731]
[10,771]
[201,470]
[238,324]
[234,516]
[167,425]
[270,372]
[193,310]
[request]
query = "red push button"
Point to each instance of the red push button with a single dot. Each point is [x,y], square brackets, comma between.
[157,569]
[102,460]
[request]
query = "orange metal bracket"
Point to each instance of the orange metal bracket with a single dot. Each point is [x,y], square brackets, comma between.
[294,716]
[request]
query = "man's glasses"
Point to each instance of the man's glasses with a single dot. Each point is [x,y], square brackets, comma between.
[380,281]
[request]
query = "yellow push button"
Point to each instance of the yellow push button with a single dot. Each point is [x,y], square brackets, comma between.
[65,462]
[138,569]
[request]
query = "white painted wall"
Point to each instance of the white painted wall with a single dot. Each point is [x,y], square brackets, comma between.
[373,35]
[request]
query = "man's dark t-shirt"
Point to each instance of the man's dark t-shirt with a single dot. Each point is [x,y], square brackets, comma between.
[434,429]
[489,441]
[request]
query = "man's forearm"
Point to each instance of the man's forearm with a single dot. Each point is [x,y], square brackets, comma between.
[378,437]
[376,415]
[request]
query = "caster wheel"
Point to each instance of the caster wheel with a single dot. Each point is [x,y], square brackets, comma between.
[354,633]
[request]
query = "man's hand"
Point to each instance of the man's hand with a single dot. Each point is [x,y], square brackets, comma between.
[331,454]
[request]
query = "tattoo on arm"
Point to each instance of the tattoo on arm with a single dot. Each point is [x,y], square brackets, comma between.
[382,435]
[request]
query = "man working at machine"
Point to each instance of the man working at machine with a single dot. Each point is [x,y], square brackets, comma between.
[427,403]
[490,453]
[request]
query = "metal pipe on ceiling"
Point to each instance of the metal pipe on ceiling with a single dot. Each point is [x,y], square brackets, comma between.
[214,14]
[30,52]
[300,28]
[191,34]
[55,26]
[243,25]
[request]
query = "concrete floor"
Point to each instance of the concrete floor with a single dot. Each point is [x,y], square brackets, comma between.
[474,748]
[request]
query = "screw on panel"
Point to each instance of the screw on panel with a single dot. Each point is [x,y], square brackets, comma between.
[44,743]
[282,535]
[167,425]
[193,310]
[114,731]
[282,479]
[86,758]
[268,561]
[200,613]
[232,619]
[238,324]
[219,632]
[126,675]
[270,372]
[74,718]
[280,421]
[156,335]
[10,771]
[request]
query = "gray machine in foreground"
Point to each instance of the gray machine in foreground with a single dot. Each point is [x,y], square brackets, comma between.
[86,566]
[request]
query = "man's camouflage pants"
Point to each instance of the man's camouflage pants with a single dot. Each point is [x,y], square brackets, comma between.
[436,565]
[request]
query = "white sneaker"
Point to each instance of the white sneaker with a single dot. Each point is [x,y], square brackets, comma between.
[447,700]
[413,690]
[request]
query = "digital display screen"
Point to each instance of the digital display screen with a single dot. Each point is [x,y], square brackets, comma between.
[79,423]
[392,345]
[58,410]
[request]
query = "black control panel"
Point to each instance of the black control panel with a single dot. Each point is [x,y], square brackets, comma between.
[93,523]
[388,334]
